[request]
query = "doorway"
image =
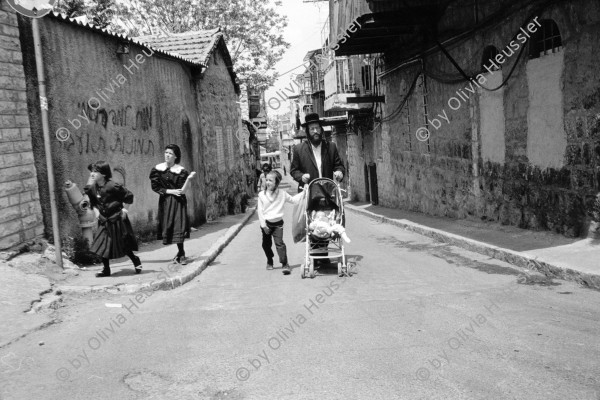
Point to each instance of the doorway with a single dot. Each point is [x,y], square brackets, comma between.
[373,190]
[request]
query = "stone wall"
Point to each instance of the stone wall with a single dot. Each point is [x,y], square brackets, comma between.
[546,177]
[21,218]
[124,108]
[225,180]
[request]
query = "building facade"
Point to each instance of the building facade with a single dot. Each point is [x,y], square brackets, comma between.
[21,219]
[493,115]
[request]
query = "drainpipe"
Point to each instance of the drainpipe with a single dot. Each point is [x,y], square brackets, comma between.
[37,44]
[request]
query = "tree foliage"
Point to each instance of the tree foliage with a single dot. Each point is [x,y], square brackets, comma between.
[100,13]
[253,29]
[71,8]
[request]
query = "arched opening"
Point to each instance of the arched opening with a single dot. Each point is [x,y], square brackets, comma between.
[546,40]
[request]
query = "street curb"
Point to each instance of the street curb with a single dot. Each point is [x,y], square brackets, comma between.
[519,259]
[169,283]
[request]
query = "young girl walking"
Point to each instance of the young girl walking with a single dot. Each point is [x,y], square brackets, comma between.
[114,237]
[270,213]
[170,181]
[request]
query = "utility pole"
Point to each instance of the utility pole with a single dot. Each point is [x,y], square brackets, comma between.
[39,61]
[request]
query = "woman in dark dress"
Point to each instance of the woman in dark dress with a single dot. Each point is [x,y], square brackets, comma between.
[168,179]
[114,237]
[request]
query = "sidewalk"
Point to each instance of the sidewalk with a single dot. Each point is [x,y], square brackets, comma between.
[30,282]
[159,271]
[554,255]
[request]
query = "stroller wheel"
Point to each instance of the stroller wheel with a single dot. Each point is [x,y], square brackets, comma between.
[302,272]
[340,269]
[313,274]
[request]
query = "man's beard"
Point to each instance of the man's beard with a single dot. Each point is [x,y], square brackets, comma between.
[315,142]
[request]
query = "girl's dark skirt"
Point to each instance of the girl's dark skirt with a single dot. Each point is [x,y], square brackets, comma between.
[173,221]
[114,237]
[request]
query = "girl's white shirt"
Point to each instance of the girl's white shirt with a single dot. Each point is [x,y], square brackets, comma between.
[176,168]
[270,206]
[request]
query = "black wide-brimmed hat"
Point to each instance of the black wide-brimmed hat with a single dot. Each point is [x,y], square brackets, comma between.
[313,117]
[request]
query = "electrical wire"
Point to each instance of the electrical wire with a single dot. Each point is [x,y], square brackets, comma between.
[489,22]
[398,110]
[464,77]
[505,81]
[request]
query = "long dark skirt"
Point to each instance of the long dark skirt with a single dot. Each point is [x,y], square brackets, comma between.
[173,221]
[114,237]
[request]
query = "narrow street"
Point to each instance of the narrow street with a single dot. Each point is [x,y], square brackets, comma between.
[139,146]
[418,320]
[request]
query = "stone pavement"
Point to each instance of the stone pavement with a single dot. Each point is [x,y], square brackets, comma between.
[556,256]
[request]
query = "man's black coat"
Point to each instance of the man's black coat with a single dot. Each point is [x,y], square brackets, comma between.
[303,162]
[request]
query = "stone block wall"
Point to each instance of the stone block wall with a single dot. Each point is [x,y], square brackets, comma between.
[21,218]
[540,185]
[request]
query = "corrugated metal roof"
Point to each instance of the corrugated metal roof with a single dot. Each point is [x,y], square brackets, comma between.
[194,45]
[128,39]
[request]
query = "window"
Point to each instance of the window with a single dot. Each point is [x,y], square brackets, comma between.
[345,76]
[487,59]
[307,86]
[546,40]
[220,149]
[231,156]
[366,78]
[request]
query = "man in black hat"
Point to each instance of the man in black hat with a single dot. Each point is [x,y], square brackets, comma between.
[315,158]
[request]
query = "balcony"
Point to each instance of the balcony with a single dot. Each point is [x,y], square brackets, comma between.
[348,78]
[374,26]
[261,129]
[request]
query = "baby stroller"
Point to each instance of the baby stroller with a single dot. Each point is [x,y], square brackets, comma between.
[324,200]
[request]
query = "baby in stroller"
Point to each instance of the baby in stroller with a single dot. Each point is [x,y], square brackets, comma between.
[323,225]
[323,221]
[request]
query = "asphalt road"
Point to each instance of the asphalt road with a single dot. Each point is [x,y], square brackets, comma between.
[419,320]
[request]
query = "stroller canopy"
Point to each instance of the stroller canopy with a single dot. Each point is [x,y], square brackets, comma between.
[322,195]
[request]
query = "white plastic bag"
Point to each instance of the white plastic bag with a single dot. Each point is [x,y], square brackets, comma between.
[299,219]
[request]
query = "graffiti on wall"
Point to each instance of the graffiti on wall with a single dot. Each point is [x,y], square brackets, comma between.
[84,142]
[140,119]
[112,141]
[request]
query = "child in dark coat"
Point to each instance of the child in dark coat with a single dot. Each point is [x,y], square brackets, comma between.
[114,237]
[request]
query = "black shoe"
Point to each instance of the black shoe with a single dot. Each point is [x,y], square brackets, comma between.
[286,269]
[137,264]
[183,260]
[103,274]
